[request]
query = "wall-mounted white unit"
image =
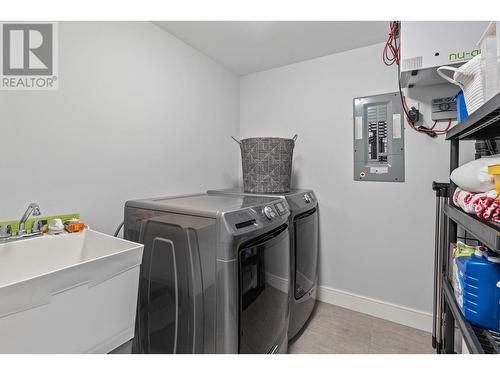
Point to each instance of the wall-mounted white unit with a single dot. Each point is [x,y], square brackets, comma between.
[427,45]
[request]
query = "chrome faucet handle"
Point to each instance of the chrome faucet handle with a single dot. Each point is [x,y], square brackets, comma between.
[36,211]
[5,231]
[36,226]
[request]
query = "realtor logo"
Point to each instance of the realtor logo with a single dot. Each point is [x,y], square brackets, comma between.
[28,56]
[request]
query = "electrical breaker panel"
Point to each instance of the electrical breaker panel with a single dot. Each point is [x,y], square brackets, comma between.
[379,138]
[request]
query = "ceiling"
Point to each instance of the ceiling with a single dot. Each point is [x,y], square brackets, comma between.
[247,47]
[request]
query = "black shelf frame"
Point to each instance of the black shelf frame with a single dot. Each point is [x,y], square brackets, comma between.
[484,123]
[469,334]
[477,339]
[486,232]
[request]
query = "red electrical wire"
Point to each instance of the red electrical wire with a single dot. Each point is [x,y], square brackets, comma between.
[425,130]
[437,131]
[391,49]
[391,55]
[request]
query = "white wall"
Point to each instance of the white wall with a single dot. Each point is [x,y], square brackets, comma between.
[138,113]
[376,238]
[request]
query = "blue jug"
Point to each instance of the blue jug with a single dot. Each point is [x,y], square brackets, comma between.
[479,281]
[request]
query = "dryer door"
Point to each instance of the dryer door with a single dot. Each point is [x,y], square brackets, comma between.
[264,278]
[306,251]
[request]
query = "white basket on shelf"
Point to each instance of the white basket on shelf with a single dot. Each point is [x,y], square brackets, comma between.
[470,78]
[490,52]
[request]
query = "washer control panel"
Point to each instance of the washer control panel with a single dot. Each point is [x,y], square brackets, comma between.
[250,218]
[269,212]
[280,208]
[304,199]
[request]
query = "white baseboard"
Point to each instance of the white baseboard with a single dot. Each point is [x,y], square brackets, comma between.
[395,313]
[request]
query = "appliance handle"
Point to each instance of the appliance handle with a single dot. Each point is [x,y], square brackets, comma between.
[269,236]
[303,215]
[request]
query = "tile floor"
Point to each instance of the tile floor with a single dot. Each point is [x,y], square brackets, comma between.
[336,330]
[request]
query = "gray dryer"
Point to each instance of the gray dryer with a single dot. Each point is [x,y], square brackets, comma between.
[215,275]
[304,245]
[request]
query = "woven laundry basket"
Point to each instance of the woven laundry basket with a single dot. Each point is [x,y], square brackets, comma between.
[267,164]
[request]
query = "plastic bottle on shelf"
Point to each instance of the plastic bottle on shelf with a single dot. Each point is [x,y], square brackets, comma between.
[479,279]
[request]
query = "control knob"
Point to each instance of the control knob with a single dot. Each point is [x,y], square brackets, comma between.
[269,212]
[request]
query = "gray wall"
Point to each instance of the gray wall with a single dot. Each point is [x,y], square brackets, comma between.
[376,238]
[138,113]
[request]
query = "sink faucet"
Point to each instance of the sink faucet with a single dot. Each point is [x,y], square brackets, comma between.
[33,209]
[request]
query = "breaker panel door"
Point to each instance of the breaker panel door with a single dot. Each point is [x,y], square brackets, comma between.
[379,138]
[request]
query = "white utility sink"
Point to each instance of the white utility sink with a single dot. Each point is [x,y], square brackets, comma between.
[70,293]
